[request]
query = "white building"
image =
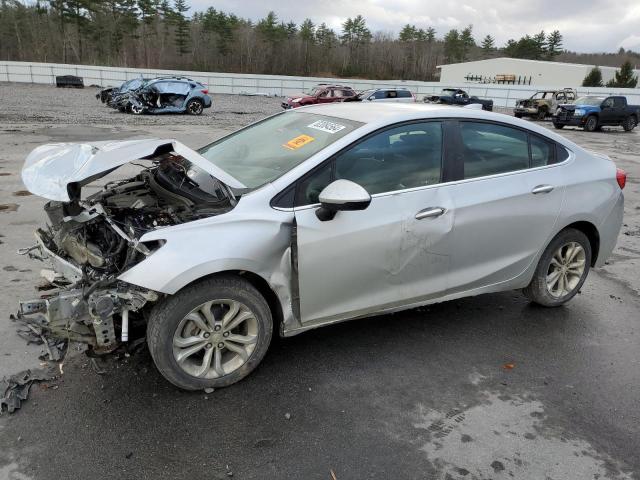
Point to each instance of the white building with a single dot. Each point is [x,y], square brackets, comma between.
[538,72]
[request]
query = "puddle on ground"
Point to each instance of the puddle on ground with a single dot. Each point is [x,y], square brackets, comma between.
[506,437]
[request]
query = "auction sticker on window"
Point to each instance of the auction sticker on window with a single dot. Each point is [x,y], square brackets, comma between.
[299,141]
[326,126]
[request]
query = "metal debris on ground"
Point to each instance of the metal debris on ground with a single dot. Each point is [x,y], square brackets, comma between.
[55,349]
[15,389]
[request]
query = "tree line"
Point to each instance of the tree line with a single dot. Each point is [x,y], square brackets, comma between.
[163,34]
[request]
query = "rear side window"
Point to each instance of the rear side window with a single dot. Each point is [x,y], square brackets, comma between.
[404,93]
[489,149]
[542,152]
[561,153]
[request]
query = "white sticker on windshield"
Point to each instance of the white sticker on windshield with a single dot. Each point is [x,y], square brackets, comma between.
[326,126]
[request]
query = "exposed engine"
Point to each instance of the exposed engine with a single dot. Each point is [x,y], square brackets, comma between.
[92,241]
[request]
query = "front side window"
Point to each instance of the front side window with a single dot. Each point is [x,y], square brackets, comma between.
[402,157]
[268,149]
[489,149]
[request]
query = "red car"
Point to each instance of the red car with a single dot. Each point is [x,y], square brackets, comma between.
[322,93]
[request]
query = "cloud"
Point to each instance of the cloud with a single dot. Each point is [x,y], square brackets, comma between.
[594,26]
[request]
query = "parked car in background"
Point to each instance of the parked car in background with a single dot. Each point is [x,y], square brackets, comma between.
[166,95]
[456,96]
[591,113]
[383,95]
[543,103]
[322,93]
[107,94]
[307,218]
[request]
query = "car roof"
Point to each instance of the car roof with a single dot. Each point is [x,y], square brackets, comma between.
[380,114]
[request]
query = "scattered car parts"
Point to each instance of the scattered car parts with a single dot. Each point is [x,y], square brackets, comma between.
[456,96]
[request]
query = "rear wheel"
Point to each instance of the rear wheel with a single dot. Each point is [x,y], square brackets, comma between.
[591,124]
[210,334]
[517,115]
[135,109]
[195,106]
[562,269]
[629,123]
[558,126]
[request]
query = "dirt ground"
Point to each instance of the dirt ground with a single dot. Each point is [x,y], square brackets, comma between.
[428,397]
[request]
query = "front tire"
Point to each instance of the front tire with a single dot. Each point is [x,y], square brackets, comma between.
[558,126]
[210,334]
[542,113]
[591,125]
[562,269]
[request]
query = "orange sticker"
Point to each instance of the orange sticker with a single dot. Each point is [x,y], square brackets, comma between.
[299,141]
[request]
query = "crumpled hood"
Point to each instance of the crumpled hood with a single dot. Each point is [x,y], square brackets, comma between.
[50,169]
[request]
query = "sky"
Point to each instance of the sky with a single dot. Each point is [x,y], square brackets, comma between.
[586,25]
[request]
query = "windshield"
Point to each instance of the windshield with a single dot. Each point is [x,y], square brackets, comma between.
[447,92]
[593,101]
[364,94]
[538,95]
[312,92]
[266,150]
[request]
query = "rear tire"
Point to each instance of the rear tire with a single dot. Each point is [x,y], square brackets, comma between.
[517,115]
[591,125]
[195,107]
[561,270]
[629,123]
[558,126]
[210,334]
[542,114]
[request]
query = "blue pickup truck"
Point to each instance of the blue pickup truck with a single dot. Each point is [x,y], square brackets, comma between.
[591,113]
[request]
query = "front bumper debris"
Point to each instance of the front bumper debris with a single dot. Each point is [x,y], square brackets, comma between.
[74,309]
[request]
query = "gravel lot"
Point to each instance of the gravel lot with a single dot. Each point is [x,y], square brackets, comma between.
[26,103]
[478,388]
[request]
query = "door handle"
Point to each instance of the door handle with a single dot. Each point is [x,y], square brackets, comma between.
[542,189]
[430,212]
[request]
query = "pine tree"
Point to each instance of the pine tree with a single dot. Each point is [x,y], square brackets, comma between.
[180,8]
[593,78]
[488,46]
[624,78]
[554,45]
[452,45]
[466,42]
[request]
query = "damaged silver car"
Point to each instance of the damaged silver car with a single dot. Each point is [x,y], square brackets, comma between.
[307,218]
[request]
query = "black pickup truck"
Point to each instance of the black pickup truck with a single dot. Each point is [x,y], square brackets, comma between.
[593,112]
[455,96]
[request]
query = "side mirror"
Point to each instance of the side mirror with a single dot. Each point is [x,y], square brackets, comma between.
[341,195]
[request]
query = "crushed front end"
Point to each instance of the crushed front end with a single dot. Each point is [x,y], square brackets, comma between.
[88,243]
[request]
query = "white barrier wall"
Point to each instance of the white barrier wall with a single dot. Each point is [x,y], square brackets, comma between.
[236,83]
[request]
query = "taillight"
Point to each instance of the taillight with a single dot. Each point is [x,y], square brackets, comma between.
[205,91]
[621,177]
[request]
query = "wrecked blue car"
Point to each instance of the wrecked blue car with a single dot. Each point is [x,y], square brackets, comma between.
[110,94]
[169,95]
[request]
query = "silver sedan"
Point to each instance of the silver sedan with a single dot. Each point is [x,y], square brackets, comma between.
[311,217]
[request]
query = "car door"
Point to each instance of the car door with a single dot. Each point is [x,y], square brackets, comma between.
[608,114]
[396,251]
[506,203]
[325,96]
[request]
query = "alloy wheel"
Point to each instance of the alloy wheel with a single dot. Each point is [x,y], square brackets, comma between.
[195,108]
[566,269]
[215,339]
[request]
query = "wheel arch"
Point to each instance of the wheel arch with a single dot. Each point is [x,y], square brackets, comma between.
[259,283]
[591,231]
